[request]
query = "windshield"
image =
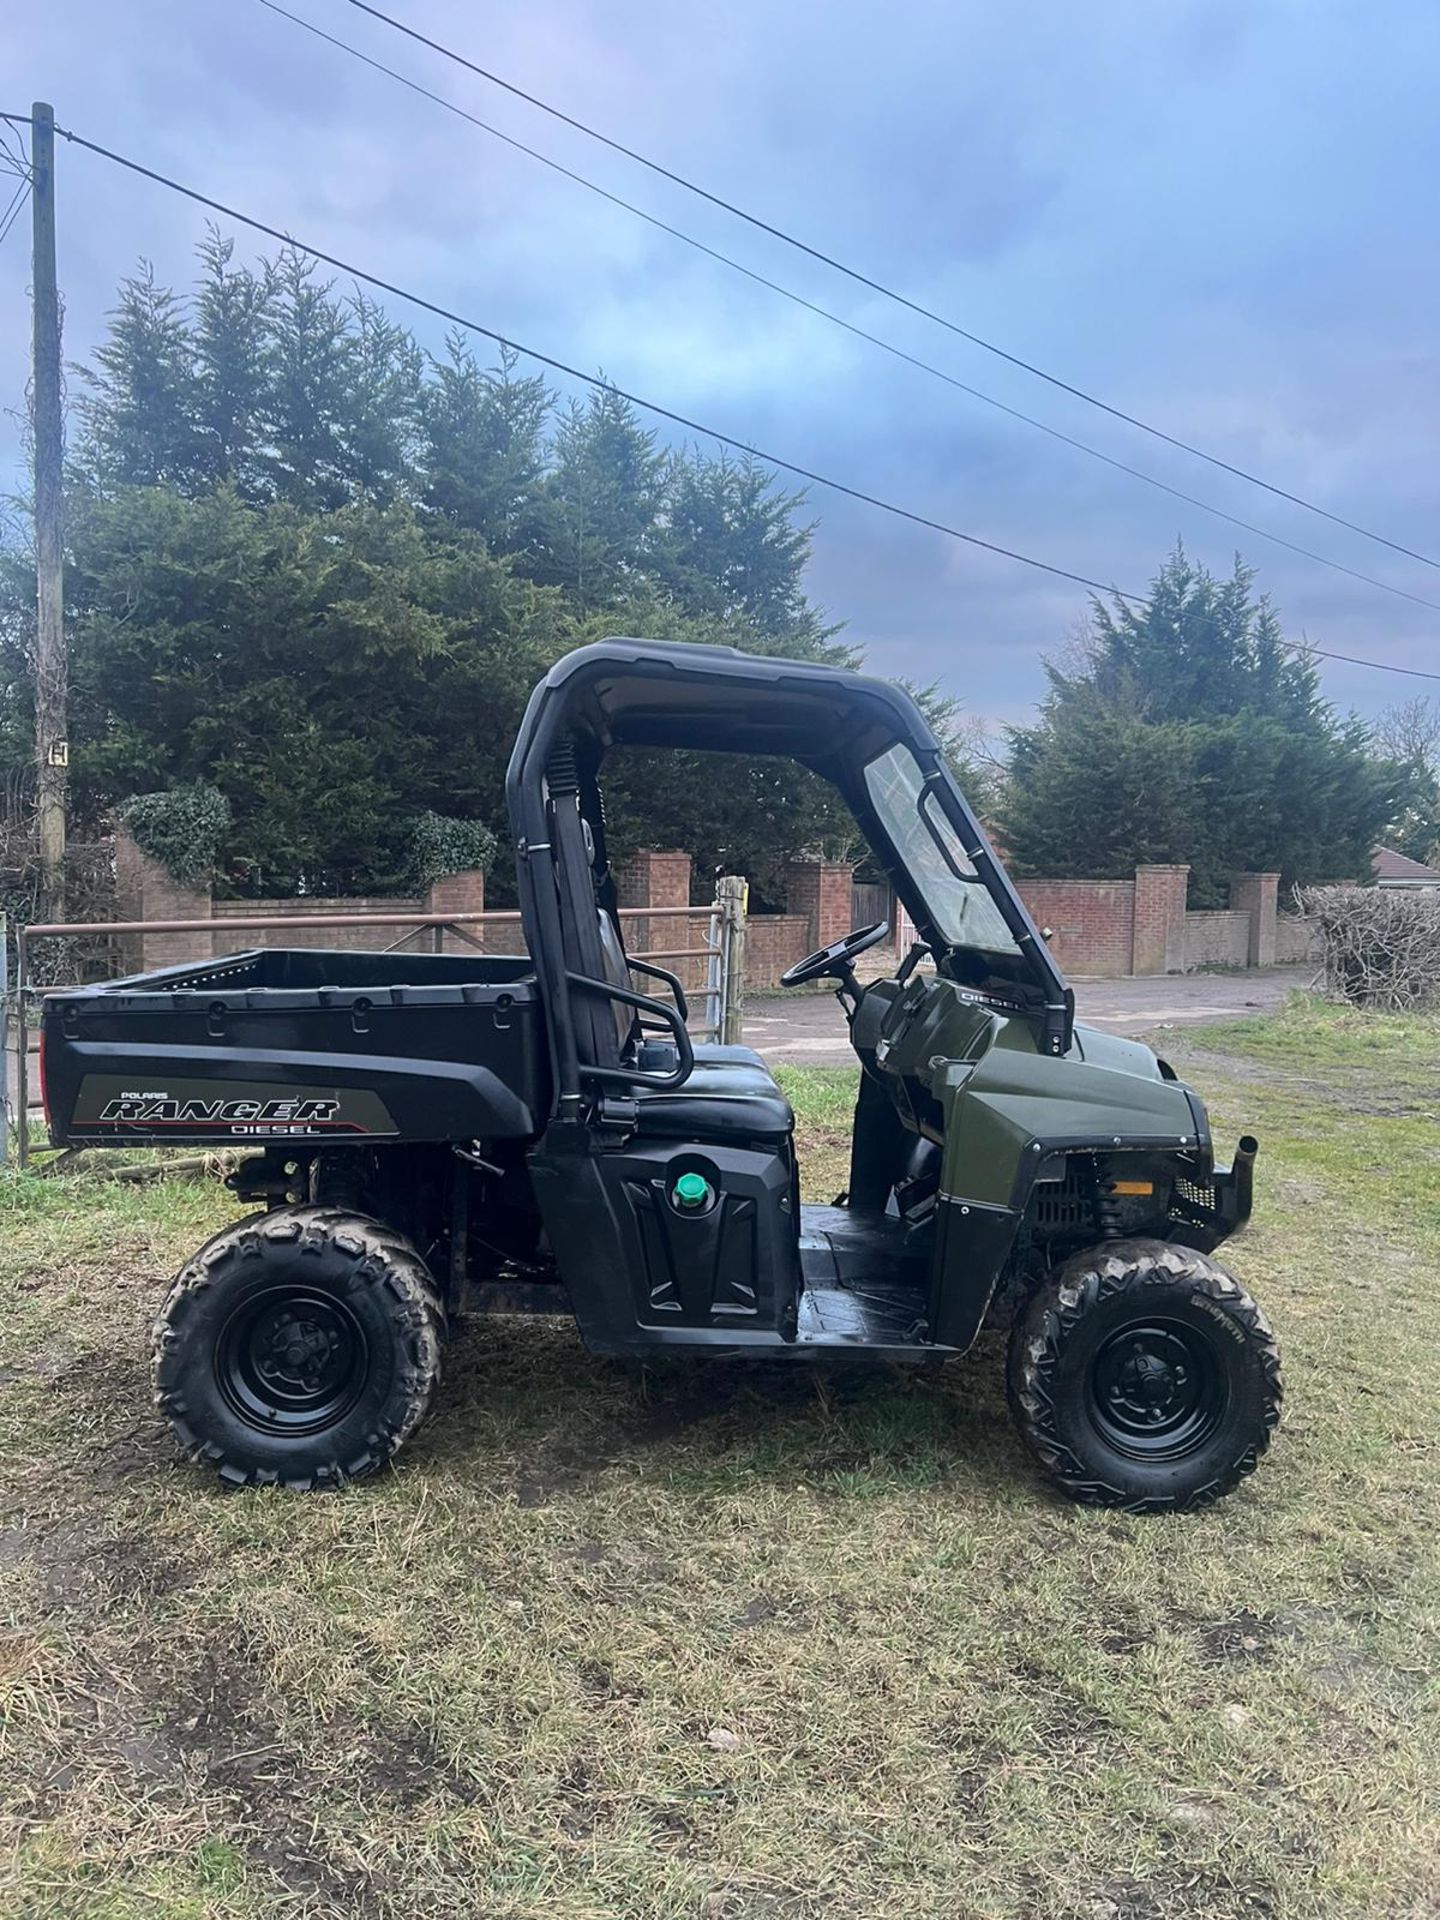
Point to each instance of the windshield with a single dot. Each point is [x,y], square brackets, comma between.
[963,912]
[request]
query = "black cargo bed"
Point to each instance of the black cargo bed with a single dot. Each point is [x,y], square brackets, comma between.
[300,1043]
[307,969]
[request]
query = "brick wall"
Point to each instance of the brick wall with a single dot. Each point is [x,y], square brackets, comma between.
[1297,942]
[823,891]
[145,891]
[773,942]
[659,877]
[358,938]
[654,877]
[1104,928]
[1107,928]
[1217,939]
[463,893]
[1159,943]
[455,893]
[667,939]
[1258,895]
[1091,922]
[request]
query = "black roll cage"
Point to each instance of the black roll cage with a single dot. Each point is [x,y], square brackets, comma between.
[624,692]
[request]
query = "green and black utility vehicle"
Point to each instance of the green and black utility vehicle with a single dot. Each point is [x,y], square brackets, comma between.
[437,1133]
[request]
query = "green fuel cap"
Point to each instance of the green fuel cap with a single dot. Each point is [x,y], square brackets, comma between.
[691,1190]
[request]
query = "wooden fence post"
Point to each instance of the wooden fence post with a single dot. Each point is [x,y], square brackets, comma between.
[731,895]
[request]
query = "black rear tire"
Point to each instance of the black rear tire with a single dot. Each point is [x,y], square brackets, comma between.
[298,1348]
[1141,1375]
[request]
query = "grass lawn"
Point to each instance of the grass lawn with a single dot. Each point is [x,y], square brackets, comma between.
[746,1643]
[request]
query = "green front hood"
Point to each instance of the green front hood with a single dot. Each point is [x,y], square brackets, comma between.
[1116,1054]
[1012,1105]
[1000,1105]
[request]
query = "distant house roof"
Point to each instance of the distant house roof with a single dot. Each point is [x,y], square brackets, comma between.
[1394,869]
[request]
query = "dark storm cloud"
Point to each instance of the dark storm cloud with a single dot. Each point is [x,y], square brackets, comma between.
[1220,216]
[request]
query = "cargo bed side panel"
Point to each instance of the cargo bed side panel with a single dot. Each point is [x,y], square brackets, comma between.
[288,1046]
[103,1093]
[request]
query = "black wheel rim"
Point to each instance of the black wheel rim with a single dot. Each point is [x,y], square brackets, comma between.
[292,1360]
[1157,1390]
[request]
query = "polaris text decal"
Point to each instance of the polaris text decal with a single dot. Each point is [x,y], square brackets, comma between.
[238,1116]
[248,1111]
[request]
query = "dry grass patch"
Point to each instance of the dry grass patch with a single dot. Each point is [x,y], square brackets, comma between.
[499,1680]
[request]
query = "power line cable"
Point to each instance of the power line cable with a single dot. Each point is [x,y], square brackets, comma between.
[588,379]
[826,313]
[879,286]
[15,162]
[13,211]
[649,406]
[1353,660]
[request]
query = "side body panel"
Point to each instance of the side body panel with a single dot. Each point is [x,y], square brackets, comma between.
[640,1272]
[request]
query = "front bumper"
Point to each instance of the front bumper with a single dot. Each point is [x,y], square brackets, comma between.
[1235,1184]
[1203,1213]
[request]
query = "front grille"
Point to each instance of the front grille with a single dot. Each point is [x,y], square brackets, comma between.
[1064,1205]
[1199,1194]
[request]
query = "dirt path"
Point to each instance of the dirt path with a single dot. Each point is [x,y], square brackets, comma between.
[811,1028]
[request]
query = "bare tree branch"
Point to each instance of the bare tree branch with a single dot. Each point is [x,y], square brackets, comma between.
[1381,945]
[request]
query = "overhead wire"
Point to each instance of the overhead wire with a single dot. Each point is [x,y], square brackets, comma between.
[880,287]
[838,320]
[19,164]
[13,211]
[598,384]
[594,381]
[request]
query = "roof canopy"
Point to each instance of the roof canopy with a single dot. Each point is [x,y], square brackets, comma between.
[643,694]
[717,699]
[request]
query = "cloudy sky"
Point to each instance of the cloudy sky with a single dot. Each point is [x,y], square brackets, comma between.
[1220,215]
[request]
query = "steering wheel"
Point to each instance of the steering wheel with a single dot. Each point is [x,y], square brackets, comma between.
[838,958]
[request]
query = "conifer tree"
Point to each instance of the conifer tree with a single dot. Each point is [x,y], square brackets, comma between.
[1190,732]
[602,500]
[484,451]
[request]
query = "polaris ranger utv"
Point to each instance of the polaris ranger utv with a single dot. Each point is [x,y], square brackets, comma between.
[437,1132]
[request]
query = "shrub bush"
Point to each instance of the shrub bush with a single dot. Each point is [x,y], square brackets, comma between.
[182,828]
[440,845]
[1381,945]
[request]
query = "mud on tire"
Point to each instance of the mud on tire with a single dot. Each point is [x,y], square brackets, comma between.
[298,1348]
[1141,1375]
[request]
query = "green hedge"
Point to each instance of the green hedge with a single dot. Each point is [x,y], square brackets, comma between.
[182,828]
[439,845]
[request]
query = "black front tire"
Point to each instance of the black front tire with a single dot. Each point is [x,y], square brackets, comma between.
[1142,1376]
[298,1348]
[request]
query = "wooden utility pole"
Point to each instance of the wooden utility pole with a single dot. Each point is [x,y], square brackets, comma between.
[52,749]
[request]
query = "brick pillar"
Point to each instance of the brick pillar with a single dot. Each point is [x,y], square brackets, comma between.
[655,877]
[145,891]
[456,893]
[824,891]
[1158,944]
[1258,894]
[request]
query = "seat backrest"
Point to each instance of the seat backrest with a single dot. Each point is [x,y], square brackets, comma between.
[591,938]
[617,972]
